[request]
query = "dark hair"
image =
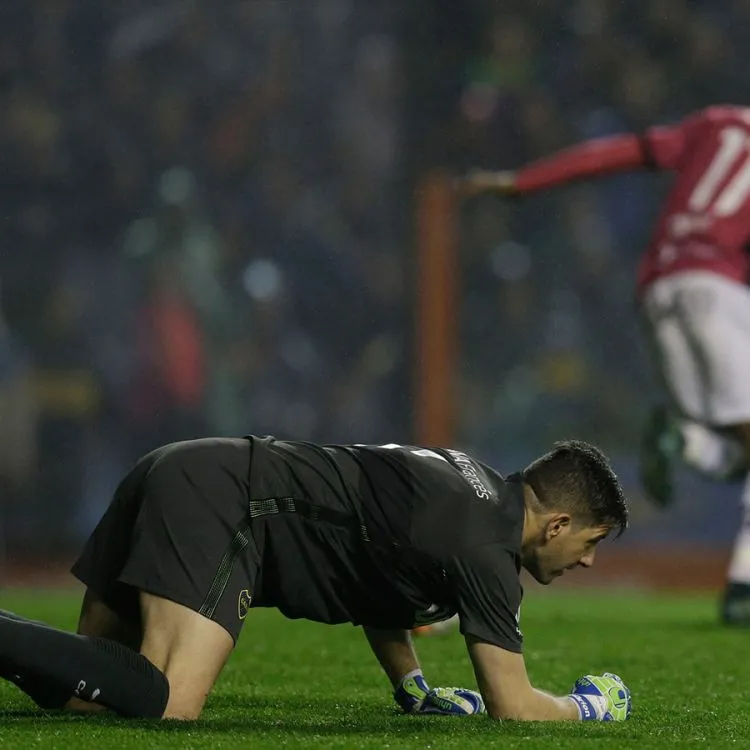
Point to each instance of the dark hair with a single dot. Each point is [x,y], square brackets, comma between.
[577,478]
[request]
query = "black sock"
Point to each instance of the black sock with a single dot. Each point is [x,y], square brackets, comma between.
[45,693]
[90,668]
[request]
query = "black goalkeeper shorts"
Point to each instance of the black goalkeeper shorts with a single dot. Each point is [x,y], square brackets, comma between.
[178,528]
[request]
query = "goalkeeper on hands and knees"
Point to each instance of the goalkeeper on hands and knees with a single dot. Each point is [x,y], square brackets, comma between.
[387,537]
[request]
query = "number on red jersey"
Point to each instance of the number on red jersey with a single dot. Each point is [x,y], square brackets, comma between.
[734,146]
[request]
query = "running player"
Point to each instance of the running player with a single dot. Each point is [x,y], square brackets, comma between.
[692,288]
[388,537]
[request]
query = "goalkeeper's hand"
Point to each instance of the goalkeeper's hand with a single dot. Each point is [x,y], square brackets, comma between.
[601,698]
[415,696]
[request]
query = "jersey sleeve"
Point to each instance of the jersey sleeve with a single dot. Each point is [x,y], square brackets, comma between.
[488,594]
[594,158]
[667,146]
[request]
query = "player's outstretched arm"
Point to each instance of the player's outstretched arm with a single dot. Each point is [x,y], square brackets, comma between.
[395,653]
[509,695]
[588,159]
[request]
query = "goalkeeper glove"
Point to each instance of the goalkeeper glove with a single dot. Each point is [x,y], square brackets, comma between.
[415,696]
[601,698]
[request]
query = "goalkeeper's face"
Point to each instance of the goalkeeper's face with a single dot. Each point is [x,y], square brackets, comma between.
[563,545]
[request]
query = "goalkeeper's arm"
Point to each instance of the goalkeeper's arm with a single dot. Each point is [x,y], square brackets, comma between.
[394,651]
[506,689]
[508,694]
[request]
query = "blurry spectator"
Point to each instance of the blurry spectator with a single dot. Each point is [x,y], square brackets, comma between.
[68,395]
[176,256]
[18,447]
[276,360]
[368,118]
[171,362]
[180,234]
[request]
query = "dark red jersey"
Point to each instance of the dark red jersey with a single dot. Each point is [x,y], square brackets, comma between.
[705,220]
[704,223]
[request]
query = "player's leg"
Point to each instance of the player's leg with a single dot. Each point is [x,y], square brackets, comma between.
[723,455]
[101,662]
[97,619]
[669,437]
[48,695]
[701,325]
[177,529]
[661,445]
[188,648]
[735,605]
[49,663]
[672,352]
[192,563]
[98,567]
[181,656]
[189,545]
[715,452]
[110,610]
[724,331]
[691,324]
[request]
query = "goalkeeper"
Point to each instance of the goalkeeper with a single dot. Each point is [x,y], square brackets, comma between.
[388,537]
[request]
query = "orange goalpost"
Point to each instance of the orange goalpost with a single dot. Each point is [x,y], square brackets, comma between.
[436,320]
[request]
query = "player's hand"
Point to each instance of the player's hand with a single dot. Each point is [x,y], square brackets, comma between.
[482,181]
[415,696]
[452,701]
[601,698]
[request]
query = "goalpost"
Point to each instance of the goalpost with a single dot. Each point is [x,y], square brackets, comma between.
[436,313]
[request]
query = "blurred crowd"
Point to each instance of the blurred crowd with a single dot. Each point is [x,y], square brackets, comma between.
[206,221]
[202,234]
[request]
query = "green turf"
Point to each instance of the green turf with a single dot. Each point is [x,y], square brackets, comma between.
[301,685]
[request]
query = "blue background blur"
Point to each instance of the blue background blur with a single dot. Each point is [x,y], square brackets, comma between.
[207,229]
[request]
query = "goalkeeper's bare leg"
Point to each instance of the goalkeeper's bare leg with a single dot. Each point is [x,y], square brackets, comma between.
[186,647]
[180,656]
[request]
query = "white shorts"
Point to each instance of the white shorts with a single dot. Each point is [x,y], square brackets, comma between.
[699,324]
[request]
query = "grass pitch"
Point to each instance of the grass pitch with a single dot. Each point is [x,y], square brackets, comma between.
[302,685]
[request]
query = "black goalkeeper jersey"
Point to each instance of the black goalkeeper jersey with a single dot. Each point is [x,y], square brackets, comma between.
[388,536]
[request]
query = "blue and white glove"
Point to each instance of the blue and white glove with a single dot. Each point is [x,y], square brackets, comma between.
[415,696]
[601,698]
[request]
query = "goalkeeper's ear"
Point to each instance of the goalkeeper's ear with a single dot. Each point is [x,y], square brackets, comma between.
[557,525]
